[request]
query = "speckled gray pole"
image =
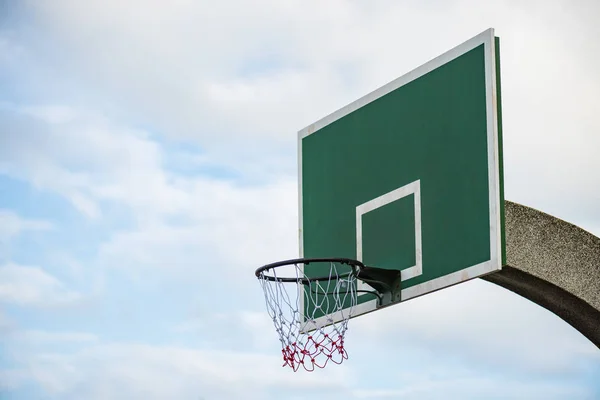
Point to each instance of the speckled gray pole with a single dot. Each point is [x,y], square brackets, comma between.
[555,264]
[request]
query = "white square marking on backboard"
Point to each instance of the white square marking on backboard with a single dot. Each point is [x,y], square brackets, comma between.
[413,188]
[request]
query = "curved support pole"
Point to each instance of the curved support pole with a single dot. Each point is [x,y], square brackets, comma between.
[578,313]
[555,264]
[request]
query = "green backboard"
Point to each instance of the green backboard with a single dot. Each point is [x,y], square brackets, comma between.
[409,177]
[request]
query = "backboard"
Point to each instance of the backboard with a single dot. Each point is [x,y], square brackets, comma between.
[409,177]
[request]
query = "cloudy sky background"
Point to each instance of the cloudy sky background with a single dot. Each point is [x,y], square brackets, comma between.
[148,166]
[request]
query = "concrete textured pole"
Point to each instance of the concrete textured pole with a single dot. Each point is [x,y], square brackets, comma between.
[555,264]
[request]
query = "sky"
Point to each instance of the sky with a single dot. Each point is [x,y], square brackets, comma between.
[148,166]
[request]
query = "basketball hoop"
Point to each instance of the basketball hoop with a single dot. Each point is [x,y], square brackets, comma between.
[311,313]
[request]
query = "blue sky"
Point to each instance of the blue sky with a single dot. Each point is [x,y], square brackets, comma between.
[148,166]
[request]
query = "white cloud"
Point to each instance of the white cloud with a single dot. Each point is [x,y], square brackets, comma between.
[51,114]
[276,67]
[181,220]
[32,286]
[9,51]
[226,228]
[44,338]
[253,85]
[250,330]
[90,160]
[125,371]
[86,159]
[195,75]
[477,387]
[6,323]
[11,225]
[11,379]
[481,322]
[260,328]
[128,370]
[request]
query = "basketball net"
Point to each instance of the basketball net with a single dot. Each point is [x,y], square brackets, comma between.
[310,316]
